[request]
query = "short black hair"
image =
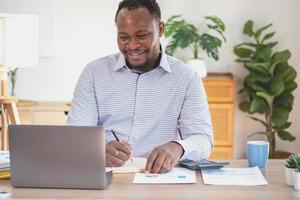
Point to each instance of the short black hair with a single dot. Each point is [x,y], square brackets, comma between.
[151,5]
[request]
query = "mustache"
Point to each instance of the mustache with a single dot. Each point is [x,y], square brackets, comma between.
[134,50]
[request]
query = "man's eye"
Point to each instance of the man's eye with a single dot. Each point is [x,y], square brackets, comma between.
[142,36]
[123,38]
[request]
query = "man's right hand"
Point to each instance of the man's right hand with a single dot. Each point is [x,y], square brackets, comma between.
[117,153]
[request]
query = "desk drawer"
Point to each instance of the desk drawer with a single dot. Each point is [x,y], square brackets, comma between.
[219,91]
[222,121]
[221,153]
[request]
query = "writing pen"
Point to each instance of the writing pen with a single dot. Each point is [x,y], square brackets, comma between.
[115,135]
[113,132]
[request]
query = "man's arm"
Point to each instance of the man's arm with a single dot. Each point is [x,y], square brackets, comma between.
[84,111]
[195,129]
[194,123]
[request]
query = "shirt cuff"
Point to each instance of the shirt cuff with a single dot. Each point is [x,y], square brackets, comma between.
[184,146]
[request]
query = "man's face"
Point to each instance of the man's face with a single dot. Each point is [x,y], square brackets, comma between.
[138,37]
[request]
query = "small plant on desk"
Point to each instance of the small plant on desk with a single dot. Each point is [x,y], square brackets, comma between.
[295,161]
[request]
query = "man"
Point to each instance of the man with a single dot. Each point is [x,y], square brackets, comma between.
[151,105]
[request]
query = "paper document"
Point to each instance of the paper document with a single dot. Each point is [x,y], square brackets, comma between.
[133,165]
[4,159]
[176,175]
[234,176]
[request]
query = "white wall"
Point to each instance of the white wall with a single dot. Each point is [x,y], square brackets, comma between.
[73,32]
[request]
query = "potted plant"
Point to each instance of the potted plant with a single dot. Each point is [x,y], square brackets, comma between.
[185,35]
[290,167]
[268,85]
[12,74]
[296,174]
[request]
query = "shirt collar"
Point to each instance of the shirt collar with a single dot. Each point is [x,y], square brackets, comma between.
[164,63]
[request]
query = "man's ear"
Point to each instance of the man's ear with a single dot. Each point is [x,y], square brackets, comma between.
[161,28]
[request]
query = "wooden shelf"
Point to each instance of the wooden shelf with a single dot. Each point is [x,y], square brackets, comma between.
[43,112]
[220,94]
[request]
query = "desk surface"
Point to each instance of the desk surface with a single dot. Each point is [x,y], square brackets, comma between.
[122,188]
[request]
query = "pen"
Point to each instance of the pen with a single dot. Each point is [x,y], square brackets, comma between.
[180,135]
[113,132]
[115,135]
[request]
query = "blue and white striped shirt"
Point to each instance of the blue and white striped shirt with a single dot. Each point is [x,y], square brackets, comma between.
[147,109]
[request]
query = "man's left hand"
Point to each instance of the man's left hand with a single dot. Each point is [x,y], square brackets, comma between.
[163,158]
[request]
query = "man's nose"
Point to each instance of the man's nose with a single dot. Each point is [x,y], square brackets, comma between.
[133,44]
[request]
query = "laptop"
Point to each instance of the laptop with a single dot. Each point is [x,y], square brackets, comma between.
[58,157]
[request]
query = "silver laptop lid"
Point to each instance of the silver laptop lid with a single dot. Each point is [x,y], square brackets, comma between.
[57,156]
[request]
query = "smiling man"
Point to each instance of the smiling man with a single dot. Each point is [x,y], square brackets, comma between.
[151,104]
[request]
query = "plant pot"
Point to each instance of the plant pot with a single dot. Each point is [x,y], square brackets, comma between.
[198,66]
[296,179]
[289,173]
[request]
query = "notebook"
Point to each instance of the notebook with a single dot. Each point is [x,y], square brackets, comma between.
[58,157]
[133,165]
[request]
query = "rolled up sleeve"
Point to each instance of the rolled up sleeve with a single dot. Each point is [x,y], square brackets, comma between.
[194,123]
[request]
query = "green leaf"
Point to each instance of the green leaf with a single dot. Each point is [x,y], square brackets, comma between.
[255,86]
[247,44]
[280,115]
[290,86]
[244,106]
[271,44]
[291,75]
[248,28]
[285,126]
[284,135]
[259,31]
[263,53]
[279,57]
[216,24]
[257,104]
[255,76]
[277,86]
[267,36]
[217,21]
[267,97]
[284,100]
[260,67]
[243,52]
[210,44]
[282,70]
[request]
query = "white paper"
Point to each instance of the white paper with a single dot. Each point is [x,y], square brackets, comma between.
[133,165]
[176,175]
[4,159]
[234,176]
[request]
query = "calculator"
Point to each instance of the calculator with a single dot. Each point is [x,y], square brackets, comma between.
[202,164]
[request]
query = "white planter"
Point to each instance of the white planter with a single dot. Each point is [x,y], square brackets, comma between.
[289,172]
[296,176]
[198,66]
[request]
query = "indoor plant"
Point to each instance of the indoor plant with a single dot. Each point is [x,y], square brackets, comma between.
[12,74]
[186,35]
[268,85]
[296,174]
[290,167]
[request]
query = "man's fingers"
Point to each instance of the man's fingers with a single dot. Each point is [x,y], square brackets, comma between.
[115,147]
[123,156]
[166,166]
[151,160]
[158,163]
[114,161]
[124,147]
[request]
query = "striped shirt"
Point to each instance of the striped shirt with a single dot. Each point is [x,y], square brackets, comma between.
[146,110]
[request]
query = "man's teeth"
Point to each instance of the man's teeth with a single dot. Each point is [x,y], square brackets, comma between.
[135,53]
